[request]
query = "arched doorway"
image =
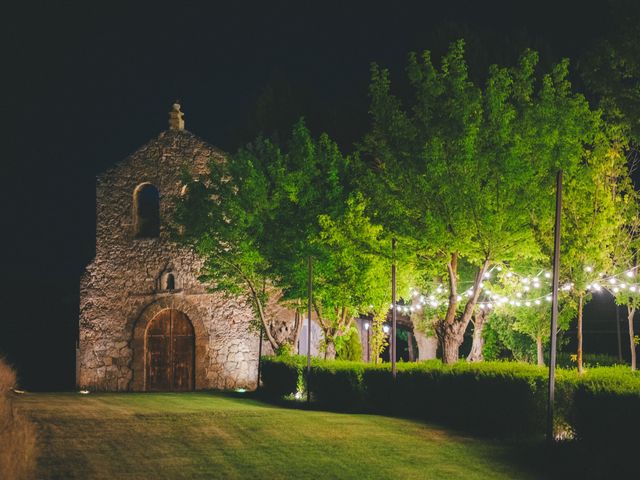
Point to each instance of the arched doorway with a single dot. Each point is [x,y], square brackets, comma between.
[169,352]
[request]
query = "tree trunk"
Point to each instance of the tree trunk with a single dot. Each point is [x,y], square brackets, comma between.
[579,356]
[412,355]
[451,348]
[618,333]
[427,345]
[475,355]
[539,351]
[630,312]
[452,329]
[330,351]
[297,329]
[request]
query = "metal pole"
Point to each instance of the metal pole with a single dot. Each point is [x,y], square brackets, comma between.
[618,330]
[259,356]
[368,345]
[554,308]
[309,305]
[393,310]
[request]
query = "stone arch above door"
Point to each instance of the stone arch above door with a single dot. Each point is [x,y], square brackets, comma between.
[138,341]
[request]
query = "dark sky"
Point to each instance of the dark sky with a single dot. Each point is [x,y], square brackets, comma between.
[86,83]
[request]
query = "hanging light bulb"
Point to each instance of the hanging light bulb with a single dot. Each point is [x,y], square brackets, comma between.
[547,274]
[629,273]
[588,269]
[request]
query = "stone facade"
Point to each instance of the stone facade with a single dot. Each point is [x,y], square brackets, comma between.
[132,279]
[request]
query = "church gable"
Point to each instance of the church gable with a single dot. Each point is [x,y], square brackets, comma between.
[125,194]
[146,321]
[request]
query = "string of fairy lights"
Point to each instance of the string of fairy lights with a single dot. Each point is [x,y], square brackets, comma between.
[525,290]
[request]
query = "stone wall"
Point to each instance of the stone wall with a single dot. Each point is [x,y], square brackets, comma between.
[125,285]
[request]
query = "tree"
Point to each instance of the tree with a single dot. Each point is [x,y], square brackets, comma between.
[466,174]
[258,217]
[592,216]
[625,259]
[226,216]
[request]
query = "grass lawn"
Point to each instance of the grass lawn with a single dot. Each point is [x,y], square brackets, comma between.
[213,435]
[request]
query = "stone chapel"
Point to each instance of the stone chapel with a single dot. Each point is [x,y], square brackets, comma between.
[146,322]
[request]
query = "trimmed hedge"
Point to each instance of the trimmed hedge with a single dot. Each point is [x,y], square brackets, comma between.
[504,398]
[281,376]
[606,407]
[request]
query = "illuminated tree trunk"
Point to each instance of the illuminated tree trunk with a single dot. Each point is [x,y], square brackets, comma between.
[427,346]
[412,355]
[539,351]
[330,350]
[579,356]
[451,348]
[475,355]
[451,329]
[297,328]
[630,312]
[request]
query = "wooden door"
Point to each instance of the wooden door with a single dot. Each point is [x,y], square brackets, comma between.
[170,352]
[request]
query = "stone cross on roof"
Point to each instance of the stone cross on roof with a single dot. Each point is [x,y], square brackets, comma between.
[176,118]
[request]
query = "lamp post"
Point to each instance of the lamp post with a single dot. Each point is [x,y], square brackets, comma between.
[393,310]
[554,307]
[309,305]
[259,356]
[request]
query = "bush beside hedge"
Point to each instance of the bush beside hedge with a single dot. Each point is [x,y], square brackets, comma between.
[17,434]
[489,397]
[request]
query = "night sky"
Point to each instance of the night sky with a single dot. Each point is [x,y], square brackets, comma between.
[87,83]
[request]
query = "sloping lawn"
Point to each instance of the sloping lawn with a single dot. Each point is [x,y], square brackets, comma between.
[210,435]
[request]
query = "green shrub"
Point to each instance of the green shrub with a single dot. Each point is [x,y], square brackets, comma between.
[18,447]
[503,398]
[606,407]
[338,385]
[281,376]
[349,346]
[497,397]
[568,360]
